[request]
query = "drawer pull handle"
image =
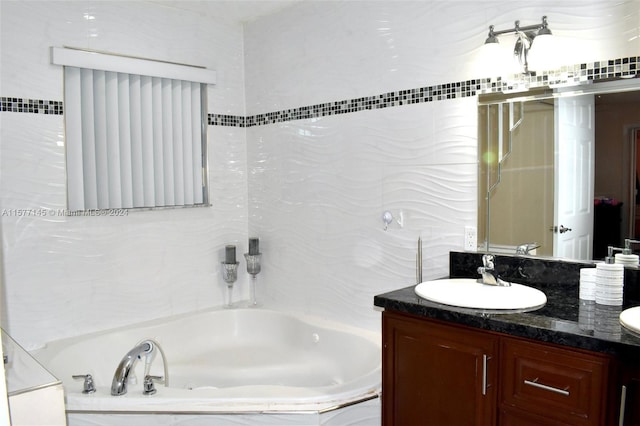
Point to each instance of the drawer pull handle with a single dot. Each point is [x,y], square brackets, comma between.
[485,358]
[535,384]
[623,405]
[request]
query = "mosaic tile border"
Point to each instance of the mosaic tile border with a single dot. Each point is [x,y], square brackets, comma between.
[226,120]
[35,106]
[568,75]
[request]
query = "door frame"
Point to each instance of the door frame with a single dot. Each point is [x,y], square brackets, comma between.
[632,135]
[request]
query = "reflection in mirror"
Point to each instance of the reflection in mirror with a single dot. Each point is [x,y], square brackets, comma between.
[535,186]
[516,174]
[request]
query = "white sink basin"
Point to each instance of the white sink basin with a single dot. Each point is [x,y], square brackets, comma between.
[468,293]
[630,318]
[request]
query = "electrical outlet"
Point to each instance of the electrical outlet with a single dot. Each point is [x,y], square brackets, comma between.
[470,238]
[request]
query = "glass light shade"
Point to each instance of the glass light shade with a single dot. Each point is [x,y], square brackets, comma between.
[495,60]
[544,54]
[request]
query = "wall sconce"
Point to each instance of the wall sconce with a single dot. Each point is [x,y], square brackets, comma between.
[528,49]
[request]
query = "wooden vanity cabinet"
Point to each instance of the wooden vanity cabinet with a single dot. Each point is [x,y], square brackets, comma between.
[439,373]
[436,373]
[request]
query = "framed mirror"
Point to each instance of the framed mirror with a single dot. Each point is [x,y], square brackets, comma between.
[559,169]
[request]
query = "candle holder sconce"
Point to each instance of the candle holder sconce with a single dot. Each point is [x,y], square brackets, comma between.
[230,272]
[253,263]
[230,276]
[253,268]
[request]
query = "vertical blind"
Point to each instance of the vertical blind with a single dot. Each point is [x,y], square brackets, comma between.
[133,140]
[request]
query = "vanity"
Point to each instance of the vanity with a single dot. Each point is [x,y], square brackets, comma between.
[545,162]
[569,362]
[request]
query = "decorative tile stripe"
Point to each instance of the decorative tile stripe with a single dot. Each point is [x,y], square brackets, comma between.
[226,120]
[35,106]
[385,100]
[567,75]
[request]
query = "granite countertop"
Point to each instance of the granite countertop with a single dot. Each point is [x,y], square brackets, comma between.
[564,320]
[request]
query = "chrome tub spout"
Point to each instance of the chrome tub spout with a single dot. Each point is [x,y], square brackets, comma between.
[119,384]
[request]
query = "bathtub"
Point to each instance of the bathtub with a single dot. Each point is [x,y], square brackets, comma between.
[224,361]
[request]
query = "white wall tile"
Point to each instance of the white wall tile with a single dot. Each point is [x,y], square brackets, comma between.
[317,200]
[65,275]
[326,51]
[131,27]
[318,187]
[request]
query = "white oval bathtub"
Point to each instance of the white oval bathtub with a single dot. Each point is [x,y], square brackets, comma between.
[225,361]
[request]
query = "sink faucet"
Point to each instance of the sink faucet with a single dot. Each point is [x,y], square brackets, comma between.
[526,248]
[489,274]
[119,384]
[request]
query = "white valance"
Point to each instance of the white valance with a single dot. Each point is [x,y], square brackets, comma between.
[130,65]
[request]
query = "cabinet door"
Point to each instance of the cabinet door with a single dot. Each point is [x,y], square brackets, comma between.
[630,395]
[436,374]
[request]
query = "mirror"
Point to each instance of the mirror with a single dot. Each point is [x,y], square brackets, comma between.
[560,168]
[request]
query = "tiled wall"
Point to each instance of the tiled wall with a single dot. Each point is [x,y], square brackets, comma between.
[566,75]
[65,275]
[318,186]
[563,76]
[352,108]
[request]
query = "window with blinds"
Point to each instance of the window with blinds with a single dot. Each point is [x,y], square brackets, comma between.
[135,135]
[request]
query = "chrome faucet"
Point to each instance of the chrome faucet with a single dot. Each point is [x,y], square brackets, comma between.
[489,274]
[526,248]
[119,384]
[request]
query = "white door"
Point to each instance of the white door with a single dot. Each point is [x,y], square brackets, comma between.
[574,177]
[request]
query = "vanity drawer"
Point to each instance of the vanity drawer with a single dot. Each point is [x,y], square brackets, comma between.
[564,385]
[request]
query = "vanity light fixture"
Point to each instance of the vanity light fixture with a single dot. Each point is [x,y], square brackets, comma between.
[525,49]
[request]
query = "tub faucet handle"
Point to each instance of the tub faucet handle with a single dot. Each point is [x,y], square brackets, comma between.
[149,388]
[89,385]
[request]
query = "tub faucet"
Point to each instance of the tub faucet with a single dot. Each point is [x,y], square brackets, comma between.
[489,274]
[119,384]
